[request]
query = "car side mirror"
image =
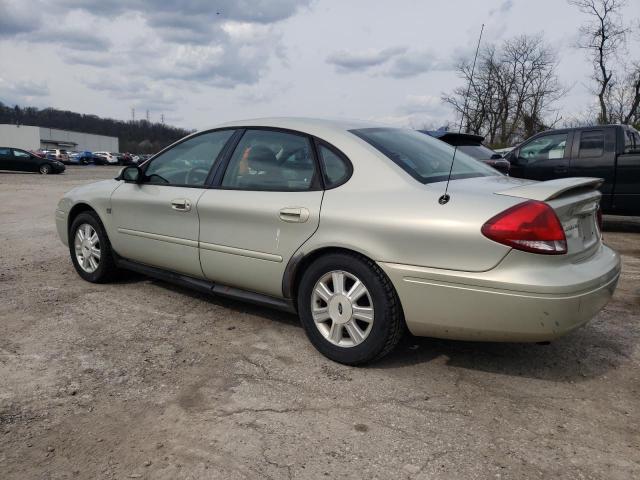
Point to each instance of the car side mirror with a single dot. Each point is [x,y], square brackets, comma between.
[131,174]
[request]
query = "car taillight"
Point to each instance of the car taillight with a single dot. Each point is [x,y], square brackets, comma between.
[531,226]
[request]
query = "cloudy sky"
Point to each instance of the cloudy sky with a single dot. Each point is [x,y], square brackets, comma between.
[201,62]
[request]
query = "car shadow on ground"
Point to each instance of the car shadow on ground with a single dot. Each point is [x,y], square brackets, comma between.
[579,356]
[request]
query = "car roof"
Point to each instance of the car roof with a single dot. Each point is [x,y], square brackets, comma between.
[305,124]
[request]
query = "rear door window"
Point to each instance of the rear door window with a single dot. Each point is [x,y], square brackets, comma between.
[271,160]
[591,144]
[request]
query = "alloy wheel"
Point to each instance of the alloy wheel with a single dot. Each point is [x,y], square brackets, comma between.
[87,248]
[342,308]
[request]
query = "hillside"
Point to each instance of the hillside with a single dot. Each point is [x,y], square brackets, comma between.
[140,136]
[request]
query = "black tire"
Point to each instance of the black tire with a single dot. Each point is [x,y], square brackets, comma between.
[45,169]
[388,325]
[107,270]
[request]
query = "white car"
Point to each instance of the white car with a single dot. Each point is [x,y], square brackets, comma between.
[109,158]
[58,154]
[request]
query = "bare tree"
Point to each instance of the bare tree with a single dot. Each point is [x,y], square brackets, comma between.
[513,90]
[602,37]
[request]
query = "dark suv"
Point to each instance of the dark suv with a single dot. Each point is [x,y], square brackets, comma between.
[610,152]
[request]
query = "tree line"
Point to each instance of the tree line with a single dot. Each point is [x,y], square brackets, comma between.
[138,136]
[515,87]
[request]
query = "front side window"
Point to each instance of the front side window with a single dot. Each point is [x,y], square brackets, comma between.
[189,162]
[271,160]
[336,169]
[547,147]
[425,158]
[591,144]
[21,155]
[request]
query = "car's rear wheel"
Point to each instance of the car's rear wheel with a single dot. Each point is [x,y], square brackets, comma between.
[90,249]
[45,169]
[349,309]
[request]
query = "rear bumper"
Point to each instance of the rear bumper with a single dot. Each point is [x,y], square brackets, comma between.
[511,303]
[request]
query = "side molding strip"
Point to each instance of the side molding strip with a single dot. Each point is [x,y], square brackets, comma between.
[241,251]
[161,238]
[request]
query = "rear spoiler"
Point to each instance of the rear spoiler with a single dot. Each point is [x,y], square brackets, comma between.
[551,189]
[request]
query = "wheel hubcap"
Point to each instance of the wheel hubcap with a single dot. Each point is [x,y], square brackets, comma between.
[342,308]
[87,248]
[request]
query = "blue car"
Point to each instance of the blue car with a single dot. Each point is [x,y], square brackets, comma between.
[83,158]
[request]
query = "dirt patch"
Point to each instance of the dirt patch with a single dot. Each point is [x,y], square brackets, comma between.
[141,379]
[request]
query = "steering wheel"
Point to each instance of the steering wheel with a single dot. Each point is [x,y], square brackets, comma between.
[194,179]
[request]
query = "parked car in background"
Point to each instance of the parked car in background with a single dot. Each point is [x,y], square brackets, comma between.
[610,152]
[341,222]
[82,158]
[105,158]
[20,160]
[472,145]
[58,154]
[125,159]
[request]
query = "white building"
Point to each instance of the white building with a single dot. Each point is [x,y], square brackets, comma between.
[34,138]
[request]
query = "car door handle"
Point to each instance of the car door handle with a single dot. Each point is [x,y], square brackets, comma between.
[294,215]
[181,204]
[561,169]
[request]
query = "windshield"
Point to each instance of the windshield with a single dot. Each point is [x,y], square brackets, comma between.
[423,157]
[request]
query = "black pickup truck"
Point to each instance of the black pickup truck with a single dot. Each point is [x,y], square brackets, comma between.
[610,152]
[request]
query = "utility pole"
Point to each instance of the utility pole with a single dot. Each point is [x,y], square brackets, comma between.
[147,114]
[133,114]
[162,118]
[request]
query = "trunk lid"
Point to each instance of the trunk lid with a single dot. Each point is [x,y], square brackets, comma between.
[576,202]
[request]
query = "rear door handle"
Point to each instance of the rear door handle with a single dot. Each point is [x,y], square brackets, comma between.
[294,215]
[181,204]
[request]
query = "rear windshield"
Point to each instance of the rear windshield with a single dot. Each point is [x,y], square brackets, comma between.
[423,157]
[479,152]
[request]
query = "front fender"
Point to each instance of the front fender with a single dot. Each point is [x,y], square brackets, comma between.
[94,196]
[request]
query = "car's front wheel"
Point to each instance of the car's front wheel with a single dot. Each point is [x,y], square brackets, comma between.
[45,169]
[349,309]
[90,249]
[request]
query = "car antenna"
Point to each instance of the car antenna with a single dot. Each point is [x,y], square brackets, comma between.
[444,199]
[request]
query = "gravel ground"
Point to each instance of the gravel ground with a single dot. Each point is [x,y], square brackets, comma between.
[141,379]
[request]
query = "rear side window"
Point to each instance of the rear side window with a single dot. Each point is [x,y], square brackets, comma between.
[591,144]
[271,160]
[336,169]
[5,152]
